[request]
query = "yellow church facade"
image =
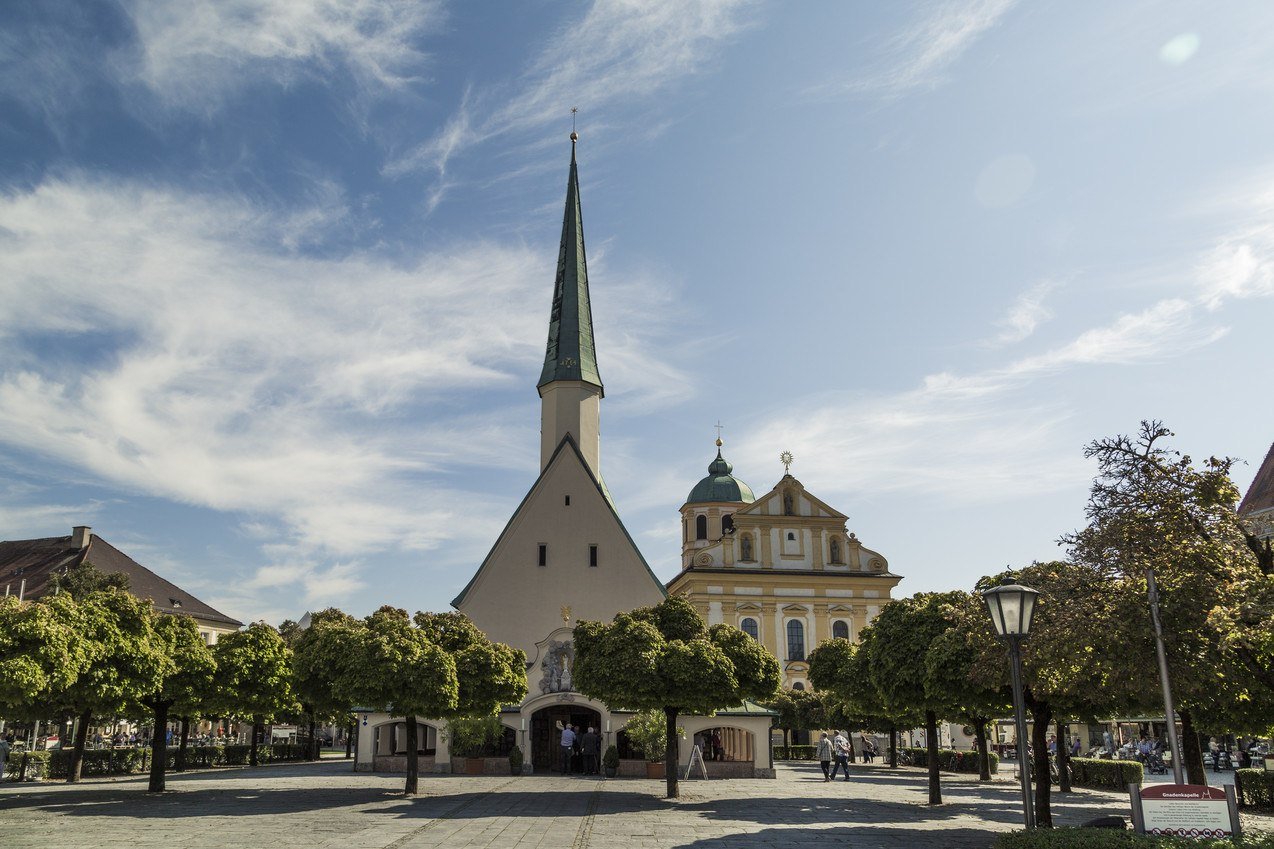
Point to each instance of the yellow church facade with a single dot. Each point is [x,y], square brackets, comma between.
[783,567]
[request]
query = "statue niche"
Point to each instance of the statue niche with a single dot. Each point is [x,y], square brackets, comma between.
[559,657]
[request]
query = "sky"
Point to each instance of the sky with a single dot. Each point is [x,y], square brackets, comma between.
[275,275]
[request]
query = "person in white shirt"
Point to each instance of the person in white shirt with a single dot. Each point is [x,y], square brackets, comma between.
[840,747]
[568,744]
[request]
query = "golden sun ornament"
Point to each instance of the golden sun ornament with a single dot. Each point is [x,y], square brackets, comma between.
[786,459]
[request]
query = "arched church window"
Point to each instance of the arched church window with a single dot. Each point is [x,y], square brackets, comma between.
[840,630]
[798,685]
[795,639]
[746,545]
[791,537]
[787,504]
[835,551]
[748,626]
[701,527]
[727,524]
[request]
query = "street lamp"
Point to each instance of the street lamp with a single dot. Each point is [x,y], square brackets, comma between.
[1012,608]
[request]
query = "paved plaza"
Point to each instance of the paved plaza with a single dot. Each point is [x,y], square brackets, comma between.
[327,805]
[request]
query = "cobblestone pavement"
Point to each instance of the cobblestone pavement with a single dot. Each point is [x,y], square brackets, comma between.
[326,805]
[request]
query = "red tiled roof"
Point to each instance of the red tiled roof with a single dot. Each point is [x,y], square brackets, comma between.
[37,560]
[1260,495]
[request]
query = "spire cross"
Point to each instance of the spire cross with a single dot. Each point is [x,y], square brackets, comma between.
[574,109]
[719,428]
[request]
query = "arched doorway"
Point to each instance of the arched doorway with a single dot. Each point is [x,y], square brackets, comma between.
[546,735]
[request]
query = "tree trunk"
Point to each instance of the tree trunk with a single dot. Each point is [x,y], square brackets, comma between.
[893,747]
[314,743]
[1041,713]
[349,741]
[180,765]
[671,756]
[1063,758]
[159,748]
[984,754]
[787,741]
[413,758]
[256,734]
[852,759]
[77,754]
[931,740]
[1191,752]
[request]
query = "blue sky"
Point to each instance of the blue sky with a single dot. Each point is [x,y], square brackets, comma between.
[275,274]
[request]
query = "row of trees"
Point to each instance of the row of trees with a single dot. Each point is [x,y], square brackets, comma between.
[1091,655]
[90,649]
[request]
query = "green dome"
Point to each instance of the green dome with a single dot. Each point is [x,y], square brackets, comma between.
[720,485]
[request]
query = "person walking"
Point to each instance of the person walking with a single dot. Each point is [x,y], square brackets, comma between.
[591,743]
[840,750]
[825,756]
[568,743]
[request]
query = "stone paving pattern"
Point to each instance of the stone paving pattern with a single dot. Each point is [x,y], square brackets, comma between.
[326,805]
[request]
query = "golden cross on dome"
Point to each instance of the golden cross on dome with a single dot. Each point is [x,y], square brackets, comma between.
[719,428]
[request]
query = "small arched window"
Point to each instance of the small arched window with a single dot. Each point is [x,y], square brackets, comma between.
[701,527]
[835,546]
[746,546]
[840,630]
[791,537]
[748,626]
[727,524]
[795,639]
[798,685]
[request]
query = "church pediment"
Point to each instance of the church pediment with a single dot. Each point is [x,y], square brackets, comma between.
[772,503]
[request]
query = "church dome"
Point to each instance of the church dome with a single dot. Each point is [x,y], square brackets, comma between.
[720,485]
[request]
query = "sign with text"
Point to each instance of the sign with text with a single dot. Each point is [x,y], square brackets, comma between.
[1185,810]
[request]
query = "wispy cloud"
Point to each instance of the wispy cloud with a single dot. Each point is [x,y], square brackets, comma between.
[1027,312]
[190,52]
[920,55]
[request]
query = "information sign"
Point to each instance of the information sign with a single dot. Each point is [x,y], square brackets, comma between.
[1185,810]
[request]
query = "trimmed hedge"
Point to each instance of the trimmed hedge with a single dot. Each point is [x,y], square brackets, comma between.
[1104,838]
[795,753]
[1103,774]
[950,760]
[1255,788]
[56,763]
[96,762]
[37,765]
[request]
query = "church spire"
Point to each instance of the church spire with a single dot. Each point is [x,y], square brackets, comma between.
[570,354]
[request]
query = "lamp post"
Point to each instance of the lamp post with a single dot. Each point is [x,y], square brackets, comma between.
[1012,606]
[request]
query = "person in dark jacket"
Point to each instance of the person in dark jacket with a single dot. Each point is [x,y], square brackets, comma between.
[591,745]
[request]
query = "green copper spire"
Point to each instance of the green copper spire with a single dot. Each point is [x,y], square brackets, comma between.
[570,354]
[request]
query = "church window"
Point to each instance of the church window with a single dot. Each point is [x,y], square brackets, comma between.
[701,527]
[798,685]
[748,626]
[592,555]
[791,537]
[727,524]
[795,639]
[835,551]
[746,545]
[544,554]
[568,501]
[840,630]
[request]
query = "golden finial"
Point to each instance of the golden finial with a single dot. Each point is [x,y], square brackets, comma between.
[786,459]
[566,613]
[574,135]
[719,427]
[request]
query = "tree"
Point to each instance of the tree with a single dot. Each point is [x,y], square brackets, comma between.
[84,578]
[488,674]
[253,677]
[1152,509]
[664,658]
[124,659]
[395,667]
[798,710]
[41,652]
[902,634]
[319,652]
[187,683]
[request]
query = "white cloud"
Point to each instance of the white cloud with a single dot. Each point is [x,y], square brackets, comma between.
[190,51]
[1028,311]
[919,56]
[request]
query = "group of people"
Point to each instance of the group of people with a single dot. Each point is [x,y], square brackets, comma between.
[709,742]
[834,750]
[588,745]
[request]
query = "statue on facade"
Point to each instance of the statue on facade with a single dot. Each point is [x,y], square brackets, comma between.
[556,666]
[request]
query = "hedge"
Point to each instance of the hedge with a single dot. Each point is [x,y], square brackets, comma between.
[950,760]
[1105,838]
[1255,788]
[56,763]
[795,753]
[1112,775]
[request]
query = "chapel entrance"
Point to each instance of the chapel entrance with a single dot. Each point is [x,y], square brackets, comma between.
[546,735]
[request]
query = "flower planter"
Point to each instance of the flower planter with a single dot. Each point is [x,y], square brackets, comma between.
[655,770]
[610,771]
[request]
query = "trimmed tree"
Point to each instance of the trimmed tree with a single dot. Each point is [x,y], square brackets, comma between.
[42,651]
[664,658]
[187,683]
[488,674]
[319,652]
[393,666]
[254,677]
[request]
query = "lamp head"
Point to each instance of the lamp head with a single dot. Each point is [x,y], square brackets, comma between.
[1012,607]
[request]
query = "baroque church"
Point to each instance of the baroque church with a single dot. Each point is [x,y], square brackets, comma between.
[564,556]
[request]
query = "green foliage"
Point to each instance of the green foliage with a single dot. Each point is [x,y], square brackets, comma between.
[37,765]
[1105,838]
[798,710]
[795,753]
[394,667]
[188,684]
[841,670]
[474,737]
[489,674]
[1094,772]
[253,673]
[902,634]
[648,731]
[1255,788]
[951,760]
[96,762]
[610,759]
[84,579]
[239,754]
[515,760]
[41,652]
[319,655]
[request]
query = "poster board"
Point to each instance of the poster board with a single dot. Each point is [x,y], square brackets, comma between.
[696,757]
[1185,810]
